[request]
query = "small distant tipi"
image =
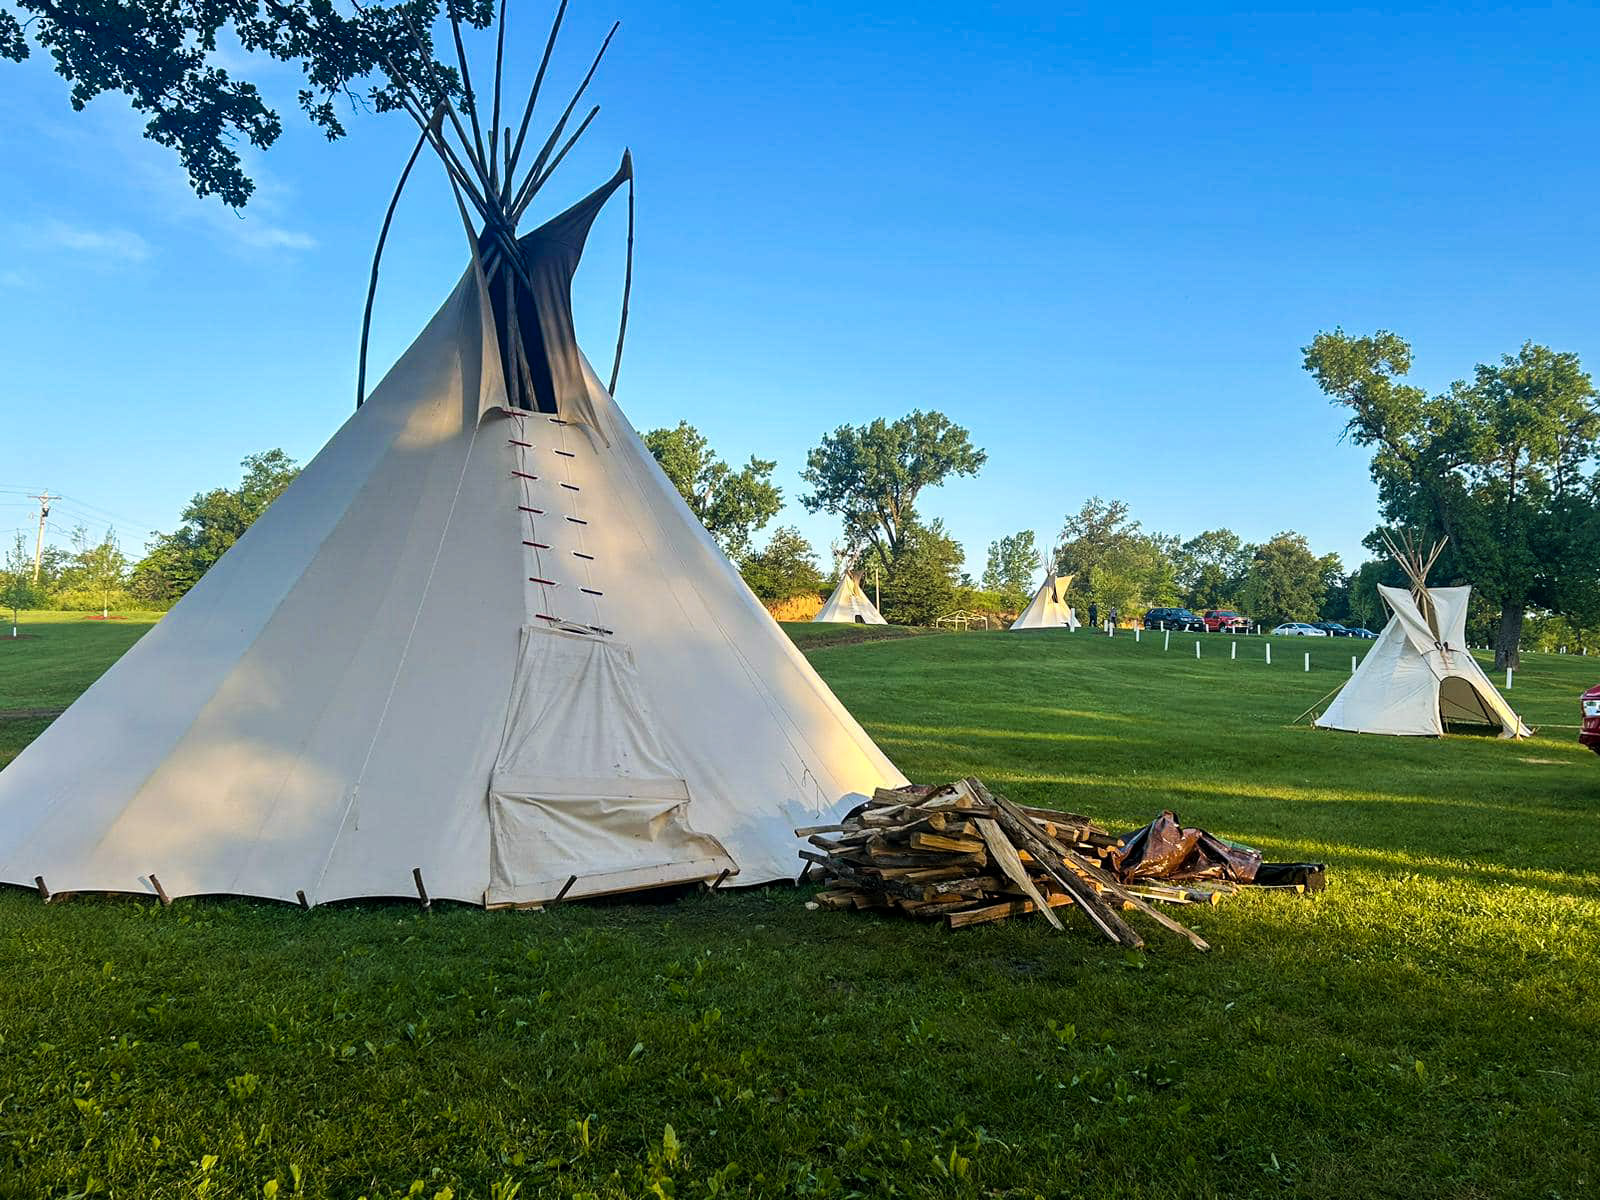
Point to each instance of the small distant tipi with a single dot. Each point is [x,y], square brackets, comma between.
[1049,608]
[850,604]
[1419,678]
[480,649]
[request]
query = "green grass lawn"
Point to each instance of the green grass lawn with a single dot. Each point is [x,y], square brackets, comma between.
[1426,1028]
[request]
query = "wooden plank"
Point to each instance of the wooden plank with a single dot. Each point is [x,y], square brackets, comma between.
[887,856]
[922,874]
[1095,874]
[1005,857]
[933,907]
[951,845]
[999,912]
[1021,826]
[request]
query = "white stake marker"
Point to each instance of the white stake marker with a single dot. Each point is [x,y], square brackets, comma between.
[1508,679]
[1233,652]
[1197,649]
[1166,640]
[1308,660]
[1269,654]
[1352,664]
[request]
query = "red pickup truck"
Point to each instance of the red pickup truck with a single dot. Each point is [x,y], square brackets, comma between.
[1590,734]
[1225,620]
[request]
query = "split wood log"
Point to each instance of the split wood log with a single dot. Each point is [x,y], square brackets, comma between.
[1005,857]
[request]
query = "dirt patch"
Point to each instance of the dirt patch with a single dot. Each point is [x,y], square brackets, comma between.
[21,637]
[30,714]
[110,618]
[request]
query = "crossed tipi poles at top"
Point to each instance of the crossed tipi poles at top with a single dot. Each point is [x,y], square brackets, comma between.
[485,174]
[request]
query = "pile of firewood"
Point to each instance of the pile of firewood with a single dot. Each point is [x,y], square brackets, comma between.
[962,854]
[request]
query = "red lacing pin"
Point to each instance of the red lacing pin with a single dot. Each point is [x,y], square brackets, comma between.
[581,554]
[571,487]
[566,454]
[590,592]
[577,520]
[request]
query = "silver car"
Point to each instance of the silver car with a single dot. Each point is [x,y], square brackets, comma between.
[1299,629]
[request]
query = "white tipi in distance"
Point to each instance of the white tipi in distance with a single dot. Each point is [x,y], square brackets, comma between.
[480,646]
[1049,608]
[849,603]
[1419,678]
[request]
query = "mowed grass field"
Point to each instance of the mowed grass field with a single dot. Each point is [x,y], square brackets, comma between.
[1426,1028]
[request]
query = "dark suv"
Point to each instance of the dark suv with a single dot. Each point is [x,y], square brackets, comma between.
[1174,618]
[1333,629]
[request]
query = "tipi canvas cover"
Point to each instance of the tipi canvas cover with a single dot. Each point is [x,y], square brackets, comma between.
[1049,608]
[480,646]
[849,603]
[1417,681]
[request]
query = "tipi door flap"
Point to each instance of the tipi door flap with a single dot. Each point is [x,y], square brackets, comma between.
[584,785]
[606,835]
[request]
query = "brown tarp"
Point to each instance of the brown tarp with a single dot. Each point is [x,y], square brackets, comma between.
[1164,849]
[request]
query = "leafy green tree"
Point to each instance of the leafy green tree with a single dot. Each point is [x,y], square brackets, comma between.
[1091,533]
[16,580]
[1363,605]
[1503,464]
[871,475]
[1286,581]
[786,566]
[100,566]
[170,58]
[920,585]
[1210,569]
[1134,574]
[212,522]
[732,505]
[1115,564]
[1012,567]
[1550,633]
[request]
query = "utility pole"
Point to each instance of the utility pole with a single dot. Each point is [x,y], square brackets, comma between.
[44,499]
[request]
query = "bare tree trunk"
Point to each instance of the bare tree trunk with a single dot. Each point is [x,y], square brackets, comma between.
[1506,642]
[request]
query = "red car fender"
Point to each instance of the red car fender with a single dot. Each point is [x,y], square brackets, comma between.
[1590,734]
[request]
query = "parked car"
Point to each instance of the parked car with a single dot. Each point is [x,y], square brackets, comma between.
[1331,628]
[1360,632]
[1174,618]
[1299,629]
[1225,620]
[1590,734]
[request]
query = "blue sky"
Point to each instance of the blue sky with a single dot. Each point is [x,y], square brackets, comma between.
[1096,238]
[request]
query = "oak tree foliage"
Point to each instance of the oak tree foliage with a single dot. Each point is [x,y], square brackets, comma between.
[172,60]
[732,505]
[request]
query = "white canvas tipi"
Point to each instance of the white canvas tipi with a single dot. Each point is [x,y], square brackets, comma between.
[1419,677]
[850,603]
[480,646]
[1049,609]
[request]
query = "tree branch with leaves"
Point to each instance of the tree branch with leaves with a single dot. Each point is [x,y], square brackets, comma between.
[871,475]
